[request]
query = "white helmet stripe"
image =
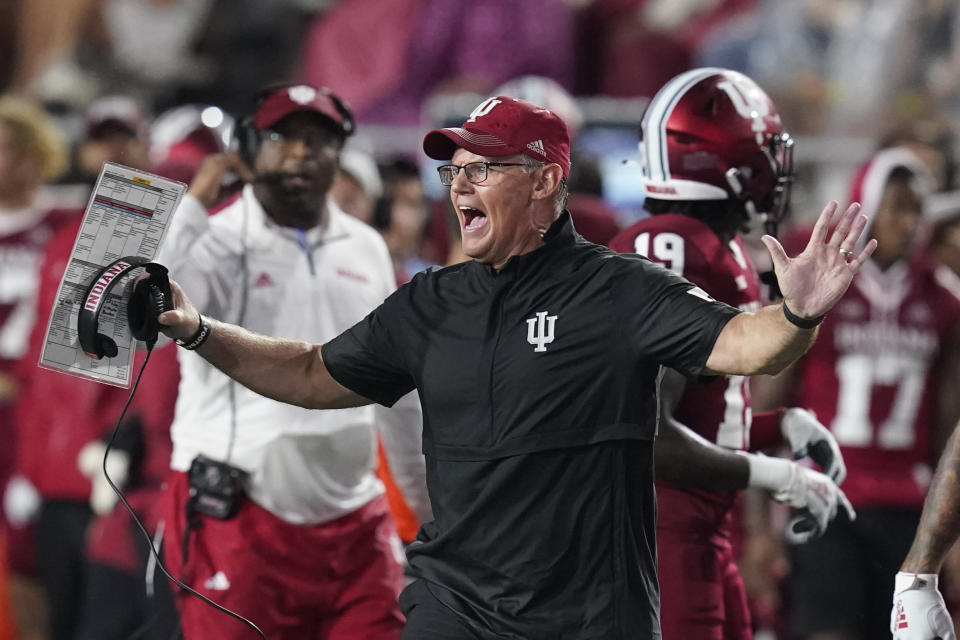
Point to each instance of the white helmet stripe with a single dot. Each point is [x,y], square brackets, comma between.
[655,137]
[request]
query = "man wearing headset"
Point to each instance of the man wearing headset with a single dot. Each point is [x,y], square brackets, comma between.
[275,511]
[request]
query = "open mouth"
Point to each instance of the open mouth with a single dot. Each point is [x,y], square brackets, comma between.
[473,219]
[296,181]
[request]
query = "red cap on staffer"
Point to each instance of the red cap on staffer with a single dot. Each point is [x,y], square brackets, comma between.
[115,115]
[504,126]
[302,97]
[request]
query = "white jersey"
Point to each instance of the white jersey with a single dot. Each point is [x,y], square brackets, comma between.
[306,466]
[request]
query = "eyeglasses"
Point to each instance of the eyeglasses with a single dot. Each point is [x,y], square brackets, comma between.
[476,172]
[315,140]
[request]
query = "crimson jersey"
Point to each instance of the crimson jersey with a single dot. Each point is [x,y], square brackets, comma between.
[23,235]
[58,414]
[869,377]
[717,408]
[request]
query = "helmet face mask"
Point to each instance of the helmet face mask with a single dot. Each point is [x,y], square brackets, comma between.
[713,134]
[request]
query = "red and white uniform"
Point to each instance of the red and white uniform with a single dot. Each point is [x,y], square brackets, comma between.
[701,590]
[869,377]
[23,235]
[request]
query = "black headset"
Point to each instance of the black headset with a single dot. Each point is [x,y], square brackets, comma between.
[150,297]
[248,136]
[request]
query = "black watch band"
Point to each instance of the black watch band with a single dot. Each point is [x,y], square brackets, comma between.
[797,321]
[193,342]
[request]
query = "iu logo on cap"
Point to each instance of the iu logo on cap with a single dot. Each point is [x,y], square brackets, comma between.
[540,330]
[302,94]
[483,109]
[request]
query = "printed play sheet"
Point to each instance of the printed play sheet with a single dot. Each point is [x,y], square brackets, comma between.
[128,215]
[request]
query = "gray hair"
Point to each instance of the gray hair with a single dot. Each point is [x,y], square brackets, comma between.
[561,194]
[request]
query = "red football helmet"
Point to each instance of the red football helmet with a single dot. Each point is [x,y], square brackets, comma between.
[714,134]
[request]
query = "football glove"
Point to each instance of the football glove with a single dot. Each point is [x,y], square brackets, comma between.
[21,501]
[90,462]
[815,496]
[919,612]
[810,439]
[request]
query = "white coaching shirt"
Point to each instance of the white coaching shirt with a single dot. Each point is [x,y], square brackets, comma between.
[306,466]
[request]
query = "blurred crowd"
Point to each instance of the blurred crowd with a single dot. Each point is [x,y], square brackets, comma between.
[161,85]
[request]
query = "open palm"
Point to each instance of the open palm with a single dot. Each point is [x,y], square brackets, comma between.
[817,278]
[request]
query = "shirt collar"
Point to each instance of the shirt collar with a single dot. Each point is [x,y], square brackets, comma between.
[331,227]
[559,238]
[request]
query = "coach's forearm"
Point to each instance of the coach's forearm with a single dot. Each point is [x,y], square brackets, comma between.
[289,371]
[764,342]
[940,522]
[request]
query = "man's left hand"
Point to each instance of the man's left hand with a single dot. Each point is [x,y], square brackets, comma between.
[816,279]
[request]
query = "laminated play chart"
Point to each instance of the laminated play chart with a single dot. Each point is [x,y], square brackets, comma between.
[128,215]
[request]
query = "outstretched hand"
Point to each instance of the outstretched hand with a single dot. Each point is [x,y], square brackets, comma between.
[183,321]
[817,278]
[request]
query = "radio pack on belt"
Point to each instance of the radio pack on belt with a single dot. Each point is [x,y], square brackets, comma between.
[215,488]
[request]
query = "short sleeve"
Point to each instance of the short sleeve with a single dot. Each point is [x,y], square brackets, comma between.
[667,318]
[366,359]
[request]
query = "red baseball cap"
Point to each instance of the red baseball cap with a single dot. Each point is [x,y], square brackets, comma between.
[302,97]
[116,115]
[504,126]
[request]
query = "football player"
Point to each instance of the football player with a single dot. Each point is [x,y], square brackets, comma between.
[880,377]
[715,160]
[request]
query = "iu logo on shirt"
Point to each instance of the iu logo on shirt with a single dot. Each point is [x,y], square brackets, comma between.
[540,330]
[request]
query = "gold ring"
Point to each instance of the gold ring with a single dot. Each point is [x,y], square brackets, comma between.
[846,253]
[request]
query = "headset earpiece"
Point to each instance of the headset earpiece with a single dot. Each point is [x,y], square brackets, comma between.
[348,124]
[248,141]
[150,298]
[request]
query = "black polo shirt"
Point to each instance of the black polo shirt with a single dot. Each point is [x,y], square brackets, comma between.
[539,393]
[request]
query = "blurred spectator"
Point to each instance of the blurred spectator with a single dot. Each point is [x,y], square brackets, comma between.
[932,140]
[32,152]
[634,46]
[115,129]
[402,224]
[844,67]
[247,44]
[410,49]
[881,376]
[47,35]
[944,244]
[417,233]
[357,185]
[180,139]
[152,42]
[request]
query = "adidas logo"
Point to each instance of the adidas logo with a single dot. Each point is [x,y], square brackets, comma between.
[264,280]
[537,147]
[217,582]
